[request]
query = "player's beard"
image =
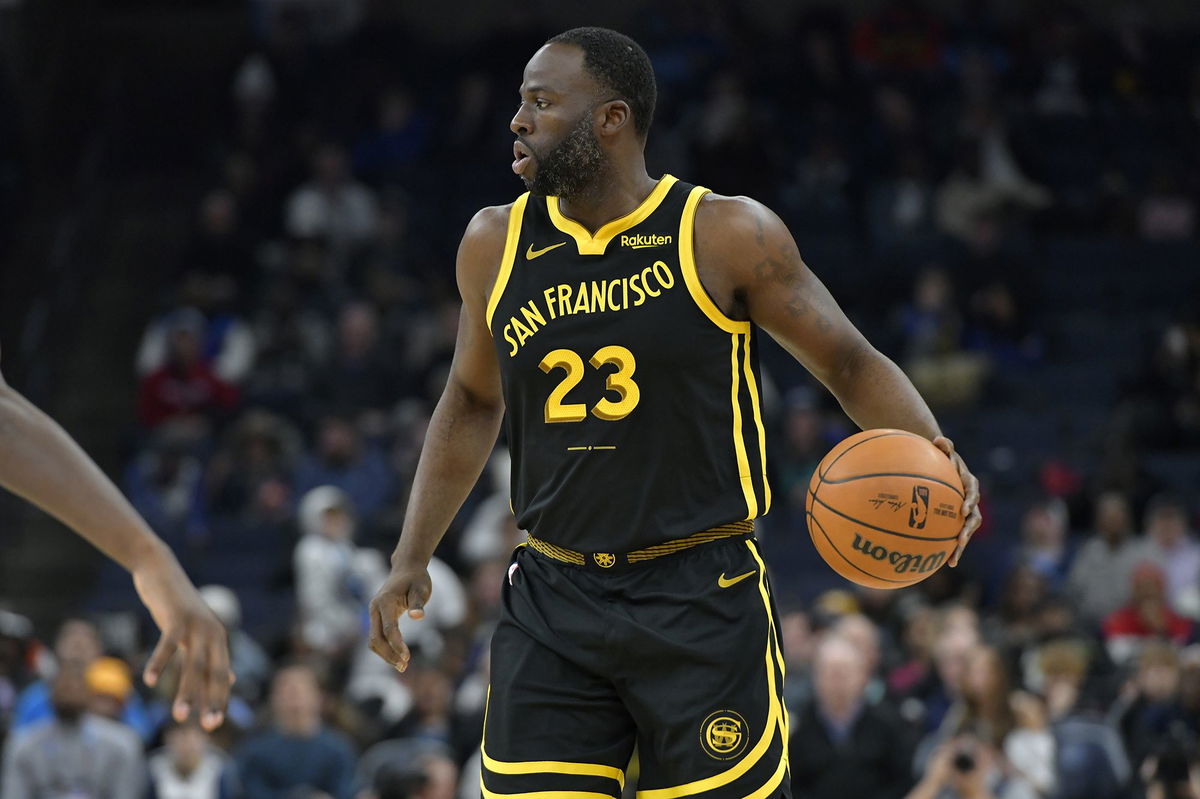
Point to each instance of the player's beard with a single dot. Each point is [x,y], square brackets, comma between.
[575,165]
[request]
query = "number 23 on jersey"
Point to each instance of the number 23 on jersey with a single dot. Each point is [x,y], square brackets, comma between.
[620,382]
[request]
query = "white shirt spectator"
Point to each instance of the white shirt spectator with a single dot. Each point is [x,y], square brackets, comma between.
[334,579]
[203,782]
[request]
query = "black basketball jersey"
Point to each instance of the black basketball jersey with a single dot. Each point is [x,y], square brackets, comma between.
[633,410]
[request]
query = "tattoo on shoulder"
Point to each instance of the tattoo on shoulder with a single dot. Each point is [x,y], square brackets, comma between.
[783,269]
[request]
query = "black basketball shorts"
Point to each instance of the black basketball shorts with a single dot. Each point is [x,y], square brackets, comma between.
[679,656]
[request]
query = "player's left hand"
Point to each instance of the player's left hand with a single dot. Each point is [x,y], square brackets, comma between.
[187,625]
[970,506]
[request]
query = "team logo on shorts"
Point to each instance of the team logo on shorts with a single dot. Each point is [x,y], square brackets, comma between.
[723,735]
[604,560]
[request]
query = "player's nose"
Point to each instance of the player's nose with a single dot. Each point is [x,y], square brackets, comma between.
[521,124]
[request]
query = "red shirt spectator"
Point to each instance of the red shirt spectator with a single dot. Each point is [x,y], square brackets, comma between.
[185,386]
[1146,617]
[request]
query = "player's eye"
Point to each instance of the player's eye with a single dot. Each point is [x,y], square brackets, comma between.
[541,103]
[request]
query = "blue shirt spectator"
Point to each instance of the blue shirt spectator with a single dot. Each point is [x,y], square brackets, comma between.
[298,752]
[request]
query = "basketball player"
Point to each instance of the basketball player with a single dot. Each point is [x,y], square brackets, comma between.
[612,315]
[41,463]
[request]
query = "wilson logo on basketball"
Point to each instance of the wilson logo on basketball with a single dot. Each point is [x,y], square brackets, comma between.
[920,508]
[901,562]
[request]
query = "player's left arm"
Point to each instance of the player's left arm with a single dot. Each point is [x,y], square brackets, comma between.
[749,261]
[40,462]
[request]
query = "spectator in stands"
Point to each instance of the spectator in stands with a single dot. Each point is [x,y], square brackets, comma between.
[932,330]
[799,646]
[360,375]
[165,484]
[432,716]
[74,753]
[865,635]
[1148,709]
[399,770]
[293,343]
[400,138]
[979,197]
[998,328]
[334,578]
[901,209]
[1167,212]
[344,460]
[218,248]
[189,766]
[841,744]
[900,38]
[804,446]
[1092,763]
[1005,732]
[298,752]
[333,206]
[226,341]
[77,645]
[1172,545]
[914,666]
[943,688]
[1145,617]
[1045,547]
[246,656]
[111,683]
[184,387]
[1100,576]
[259,448]
[1014,626]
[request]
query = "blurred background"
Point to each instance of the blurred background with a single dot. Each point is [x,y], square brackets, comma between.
[227,233]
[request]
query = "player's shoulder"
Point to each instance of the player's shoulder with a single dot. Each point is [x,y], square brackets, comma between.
[488,228]
[735,209]
[730,222]
[482,247]
[490,220]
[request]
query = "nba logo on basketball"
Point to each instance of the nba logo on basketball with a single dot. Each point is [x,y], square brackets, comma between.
[920,508]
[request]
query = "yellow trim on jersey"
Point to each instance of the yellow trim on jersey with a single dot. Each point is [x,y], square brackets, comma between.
[739,446]
[515,215]
[762,434]
[595,245]
[543,766]
[776,716]
[687,263]
[542,794]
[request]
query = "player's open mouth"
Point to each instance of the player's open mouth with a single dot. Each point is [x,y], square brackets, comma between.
[522,157]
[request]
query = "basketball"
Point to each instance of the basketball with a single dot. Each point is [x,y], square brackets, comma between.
[884,508]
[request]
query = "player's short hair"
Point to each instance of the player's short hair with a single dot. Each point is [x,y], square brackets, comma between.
[621,66]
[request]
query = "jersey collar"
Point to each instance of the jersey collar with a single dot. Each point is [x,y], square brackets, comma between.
[595,245]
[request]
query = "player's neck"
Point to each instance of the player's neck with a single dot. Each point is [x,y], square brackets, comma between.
[615,194]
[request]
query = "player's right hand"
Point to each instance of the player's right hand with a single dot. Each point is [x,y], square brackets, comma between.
[405,589]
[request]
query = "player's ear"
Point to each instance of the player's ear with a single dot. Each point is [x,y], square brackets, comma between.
[614,115]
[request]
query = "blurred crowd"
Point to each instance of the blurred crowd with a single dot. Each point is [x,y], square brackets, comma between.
[287,378]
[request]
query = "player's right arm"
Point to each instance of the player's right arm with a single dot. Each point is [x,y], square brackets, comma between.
[462,432]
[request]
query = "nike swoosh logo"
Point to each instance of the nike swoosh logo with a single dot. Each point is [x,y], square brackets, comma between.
[531,253]
[726,582]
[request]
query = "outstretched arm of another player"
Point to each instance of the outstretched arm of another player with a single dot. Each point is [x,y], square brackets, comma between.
[40,462]
[747,256]
[462,432]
